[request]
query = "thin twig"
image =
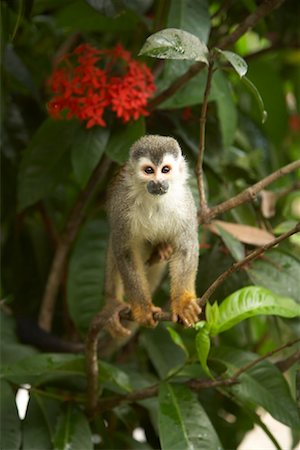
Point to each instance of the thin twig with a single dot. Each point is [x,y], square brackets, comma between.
[248,194]
[263,10]
[70,231]
[288,362]
[250,257]
[196,385]
[199,166]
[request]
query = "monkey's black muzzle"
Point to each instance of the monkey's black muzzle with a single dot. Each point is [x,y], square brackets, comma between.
[157,187]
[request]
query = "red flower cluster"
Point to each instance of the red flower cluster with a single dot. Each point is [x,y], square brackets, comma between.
[85,90]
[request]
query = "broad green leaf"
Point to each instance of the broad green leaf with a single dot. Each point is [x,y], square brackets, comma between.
[79,16]
[38,425]
[235,247]
[86,273]
[17,69]
[253,89]
[176,338]
[9,420]
[183,423]
[122,139]
[115,376]
[165,355]
[172,43]
[252,301]
[87,148]
[237,62]
[190,15]
[72,431]
[113,8]
[203,347]
[44,161]
[33,369]
[262,385]
[107,7]
[226,107]
[280,270]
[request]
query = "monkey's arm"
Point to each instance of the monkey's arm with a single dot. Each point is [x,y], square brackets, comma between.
[183,271]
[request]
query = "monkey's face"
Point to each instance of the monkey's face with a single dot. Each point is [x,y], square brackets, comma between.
[159,178]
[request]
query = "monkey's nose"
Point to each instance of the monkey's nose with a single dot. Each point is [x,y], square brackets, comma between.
[157,187]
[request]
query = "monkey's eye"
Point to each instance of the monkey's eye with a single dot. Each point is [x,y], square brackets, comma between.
[148,170]
[166,169]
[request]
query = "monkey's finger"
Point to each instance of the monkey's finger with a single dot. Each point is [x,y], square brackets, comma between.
[188,318]
[194,311]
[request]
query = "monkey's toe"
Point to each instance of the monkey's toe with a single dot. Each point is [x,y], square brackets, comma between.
[146,315]
[186,310]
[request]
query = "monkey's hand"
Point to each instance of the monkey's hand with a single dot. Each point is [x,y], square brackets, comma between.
[186,310]
[144,314]
[111,316]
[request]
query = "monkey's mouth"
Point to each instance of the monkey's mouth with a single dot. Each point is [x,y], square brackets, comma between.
[157,187]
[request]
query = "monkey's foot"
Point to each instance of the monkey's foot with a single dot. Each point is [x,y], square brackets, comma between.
[164,251]
[144,315]
[111,314]
[186,310]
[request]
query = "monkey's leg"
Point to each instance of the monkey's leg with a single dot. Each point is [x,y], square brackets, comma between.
[131,266]
[113,294]
[183,271]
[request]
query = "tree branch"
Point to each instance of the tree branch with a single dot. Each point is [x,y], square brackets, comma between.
[199,166]
[196,385]
[250,257]
[248,194]
[263,10]
[70,231]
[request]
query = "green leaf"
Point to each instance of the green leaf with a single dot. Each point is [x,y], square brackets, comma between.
[17,69]
[32,368]
[203,347]
[252,301]
[122,139]
[226,107]
[235,247]
[114,375]
[86,273]
[176,338]
[39,422]
[190,15]
[165,355]
[262,385]
[9,419]
[81,17]
[280,270]
[253,89]
[212,313]
[183,423]
[237,62]
[172,43]
[72,431]
[107,7]
[43,165]
[87,148]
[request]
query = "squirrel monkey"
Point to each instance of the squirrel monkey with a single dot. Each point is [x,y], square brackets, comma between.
[151,208]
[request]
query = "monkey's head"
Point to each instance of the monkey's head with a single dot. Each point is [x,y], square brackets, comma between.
[157,163]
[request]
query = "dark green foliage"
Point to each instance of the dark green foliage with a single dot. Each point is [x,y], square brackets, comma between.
[252,128]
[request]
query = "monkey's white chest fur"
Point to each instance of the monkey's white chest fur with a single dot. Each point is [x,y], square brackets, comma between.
[158,218]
